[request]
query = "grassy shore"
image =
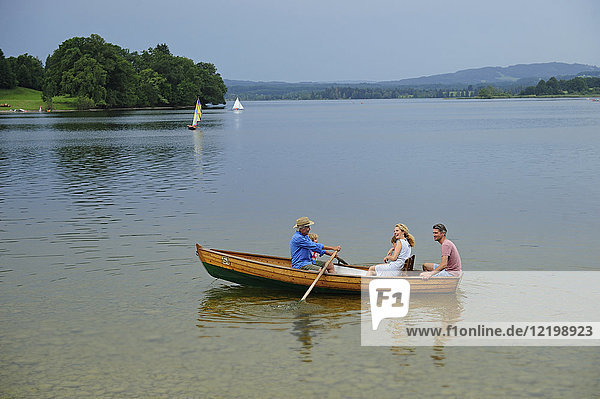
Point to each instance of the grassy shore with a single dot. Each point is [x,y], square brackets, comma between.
[31,100]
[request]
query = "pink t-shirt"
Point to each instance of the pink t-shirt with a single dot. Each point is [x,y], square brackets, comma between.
[449,250]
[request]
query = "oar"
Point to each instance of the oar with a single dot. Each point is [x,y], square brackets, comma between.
[342,261]
[319,275]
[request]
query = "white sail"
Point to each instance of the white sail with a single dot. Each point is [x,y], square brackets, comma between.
[237,104]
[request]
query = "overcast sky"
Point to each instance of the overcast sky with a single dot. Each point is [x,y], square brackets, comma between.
[319,40]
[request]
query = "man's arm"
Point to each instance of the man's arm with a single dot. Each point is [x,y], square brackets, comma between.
[338,248]
[442,266]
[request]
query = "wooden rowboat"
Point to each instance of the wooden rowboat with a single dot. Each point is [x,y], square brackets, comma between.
[277,272]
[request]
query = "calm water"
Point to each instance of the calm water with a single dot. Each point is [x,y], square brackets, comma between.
[101,293]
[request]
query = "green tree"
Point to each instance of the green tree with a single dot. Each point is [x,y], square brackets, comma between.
[106,75]
[122,80]
[486,92]
[187,80]
[553,87]
[576,85]
[492,92]
[214,88]
[542,88]
[29,71]
[90,67]
[153,89]
[8,79]
[86,79]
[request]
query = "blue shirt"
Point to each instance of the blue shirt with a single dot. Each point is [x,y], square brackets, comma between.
[301,247]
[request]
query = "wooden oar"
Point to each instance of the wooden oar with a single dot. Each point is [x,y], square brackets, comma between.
[319,275]
[342,261]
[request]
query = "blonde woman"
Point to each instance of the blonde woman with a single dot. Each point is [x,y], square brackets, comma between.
[397,255]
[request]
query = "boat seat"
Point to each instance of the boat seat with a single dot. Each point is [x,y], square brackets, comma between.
[408,264]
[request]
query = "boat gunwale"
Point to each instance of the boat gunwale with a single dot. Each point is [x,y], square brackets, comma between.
[326,276]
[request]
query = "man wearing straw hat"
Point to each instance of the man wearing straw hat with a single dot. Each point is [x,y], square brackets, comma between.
[301,247]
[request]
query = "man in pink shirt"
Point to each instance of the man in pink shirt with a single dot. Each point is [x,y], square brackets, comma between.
[450,266]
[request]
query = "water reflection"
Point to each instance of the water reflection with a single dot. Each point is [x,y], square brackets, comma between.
[444,309]
[100,121]
[84,162]
[198,134]
[403,354]
[101,171]
[438,356]
[303,327]
[239,306]
[4,172]
[92,126]
[437,307]
[252,307]
[242,304]
[447,308]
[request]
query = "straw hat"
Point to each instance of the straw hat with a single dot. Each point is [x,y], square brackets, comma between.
[303,222]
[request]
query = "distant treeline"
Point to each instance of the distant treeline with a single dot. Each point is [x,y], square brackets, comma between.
[351,92]
[334,93]
[279,91]
[101,74]
[584,86]
[578,86]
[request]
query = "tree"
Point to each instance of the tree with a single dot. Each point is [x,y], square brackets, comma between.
[492,92]
[153,89]
[29,71]
[121,83]
[187,80]
[576,85]
[486,92]
[107,75]
[90,67]
[8,79]
[86,79]
[553,87]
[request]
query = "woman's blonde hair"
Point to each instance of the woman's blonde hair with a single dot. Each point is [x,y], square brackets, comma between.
[409,237]
[313,236]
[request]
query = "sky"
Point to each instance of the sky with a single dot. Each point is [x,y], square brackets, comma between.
[319,40]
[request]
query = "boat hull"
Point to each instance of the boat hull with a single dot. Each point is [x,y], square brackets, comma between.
[276,272]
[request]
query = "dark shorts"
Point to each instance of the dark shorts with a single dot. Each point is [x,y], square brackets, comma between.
[310,266]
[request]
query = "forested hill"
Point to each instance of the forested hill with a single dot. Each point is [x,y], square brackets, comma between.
[468,81]
[495,75]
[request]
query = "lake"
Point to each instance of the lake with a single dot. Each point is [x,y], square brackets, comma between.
[102,294]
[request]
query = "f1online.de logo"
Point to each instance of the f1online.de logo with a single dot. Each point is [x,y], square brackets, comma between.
[389,298]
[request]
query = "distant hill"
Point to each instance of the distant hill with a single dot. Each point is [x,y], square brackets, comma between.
[491,75]
[521,75]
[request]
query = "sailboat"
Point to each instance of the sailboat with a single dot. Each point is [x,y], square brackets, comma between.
[237,105]
[197,115]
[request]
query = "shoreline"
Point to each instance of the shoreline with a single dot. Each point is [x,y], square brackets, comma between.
[28,111]
[36,111]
